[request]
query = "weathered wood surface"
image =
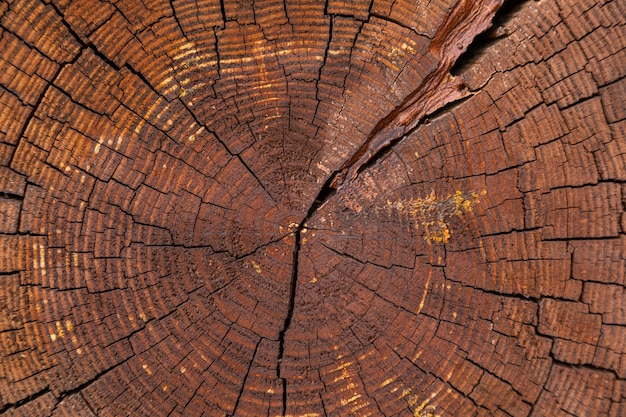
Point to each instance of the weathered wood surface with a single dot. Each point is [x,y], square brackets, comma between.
[218,209]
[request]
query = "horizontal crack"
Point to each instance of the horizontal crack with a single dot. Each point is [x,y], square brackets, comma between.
[31,398]
[11,196]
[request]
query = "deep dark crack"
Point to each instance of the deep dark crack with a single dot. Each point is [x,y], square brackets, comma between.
[324,195]
[387,133]
[484,41]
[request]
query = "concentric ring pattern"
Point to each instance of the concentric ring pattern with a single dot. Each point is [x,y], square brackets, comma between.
[309,208]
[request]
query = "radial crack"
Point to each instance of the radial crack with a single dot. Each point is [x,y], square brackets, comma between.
[325,193]
[436,90]
[245,378]
[292,298]
[484,41]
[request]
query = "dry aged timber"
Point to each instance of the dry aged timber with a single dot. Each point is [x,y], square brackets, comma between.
[312,208]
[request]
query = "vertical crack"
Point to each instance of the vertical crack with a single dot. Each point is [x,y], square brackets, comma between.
[321,69]
[438,91]
[292,299]
[223,10]
[324,195]
[245,378]
[37,104]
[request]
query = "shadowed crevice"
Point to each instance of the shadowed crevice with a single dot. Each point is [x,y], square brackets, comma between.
[245,378]
[11,196]
[484,41]
[389,131]
[31,398]
[324,195]
[436,90]
[150,264]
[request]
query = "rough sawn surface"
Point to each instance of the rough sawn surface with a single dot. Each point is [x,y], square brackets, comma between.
[340,208]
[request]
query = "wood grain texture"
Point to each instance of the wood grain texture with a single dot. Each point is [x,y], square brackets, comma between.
[312,208]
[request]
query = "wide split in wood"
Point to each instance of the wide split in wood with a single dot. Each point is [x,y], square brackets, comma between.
[320,208]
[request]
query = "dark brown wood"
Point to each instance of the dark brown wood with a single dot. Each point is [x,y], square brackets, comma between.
[339,208]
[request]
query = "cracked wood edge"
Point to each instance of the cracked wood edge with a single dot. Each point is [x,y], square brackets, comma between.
[119,161]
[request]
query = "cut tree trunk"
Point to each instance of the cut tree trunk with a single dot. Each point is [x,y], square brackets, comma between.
[312,208]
